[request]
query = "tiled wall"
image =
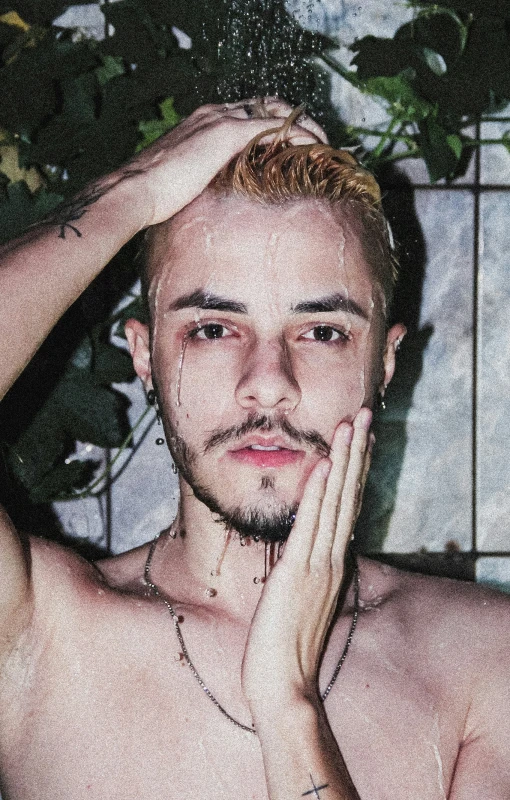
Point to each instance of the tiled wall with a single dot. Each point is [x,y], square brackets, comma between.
[441,474]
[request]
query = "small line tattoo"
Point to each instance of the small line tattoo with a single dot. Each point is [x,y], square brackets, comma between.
[315,789]
[73,210]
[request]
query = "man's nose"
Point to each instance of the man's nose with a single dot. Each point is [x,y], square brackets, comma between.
[268,380]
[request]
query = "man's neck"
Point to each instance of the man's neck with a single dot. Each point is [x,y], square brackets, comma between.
[199,562]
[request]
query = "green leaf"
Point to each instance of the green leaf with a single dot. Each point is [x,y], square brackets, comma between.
[112,67]
[111,364]
[19,208]
[442,29]
[40,445]
[440,157]
[496,8]
[90,412]
[455,143]
[405,104]
[152,129]
[63,480]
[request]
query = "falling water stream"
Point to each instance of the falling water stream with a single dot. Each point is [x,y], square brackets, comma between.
[264,50]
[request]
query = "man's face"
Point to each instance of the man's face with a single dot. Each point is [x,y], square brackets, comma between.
[267,332]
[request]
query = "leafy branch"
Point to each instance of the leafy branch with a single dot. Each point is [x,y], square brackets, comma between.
[73,109]
[436,78]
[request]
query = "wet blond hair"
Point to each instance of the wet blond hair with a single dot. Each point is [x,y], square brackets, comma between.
[277,172]
[280,172]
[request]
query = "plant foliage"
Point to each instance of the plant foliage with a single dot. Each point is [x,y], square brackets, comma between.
[73,109]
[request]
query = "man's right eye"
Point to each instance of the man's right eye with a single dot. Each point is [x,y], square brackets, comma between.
[211,331]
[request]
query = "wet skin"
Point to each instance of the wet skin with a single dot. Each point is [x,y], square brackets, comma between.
[96,701]
[272,355]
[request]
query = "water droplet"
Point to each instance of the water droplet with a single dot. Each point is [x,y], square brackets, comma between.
[210,592]
[179,375]
[160,441]
[256,580]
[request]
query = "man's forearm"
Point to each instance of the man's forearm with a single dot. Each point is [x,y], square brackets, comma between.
[43,272]
[301,756]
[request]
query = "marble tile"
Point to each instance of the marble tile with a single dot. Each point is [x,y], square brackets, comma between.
[344,22]
[494,572]
[351,19]
[88,18]
[493,388]
[495,159]
[84,520]
[145,497]
[419,493]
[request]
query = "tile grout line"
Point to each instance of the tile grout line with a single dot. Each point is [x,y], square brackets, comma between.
[476,330]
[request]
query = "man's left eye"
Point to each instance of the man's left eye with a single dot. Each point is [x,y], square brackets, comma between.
[325,333]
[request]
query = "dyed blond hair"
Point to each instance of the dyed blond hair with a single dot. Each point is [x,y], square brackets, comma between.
[280,172]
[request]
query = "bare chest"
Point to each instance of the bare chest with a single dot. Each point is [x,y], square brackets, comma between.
[124,717]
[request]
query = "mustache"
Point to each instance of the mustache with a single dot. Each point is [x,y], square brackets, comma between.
[264,423]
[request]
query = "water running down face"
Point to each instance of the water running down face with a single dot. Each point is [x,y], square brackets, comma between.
[264,339]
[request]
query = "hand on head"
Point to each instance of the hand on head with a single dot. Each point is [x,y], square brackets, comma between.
[174,170]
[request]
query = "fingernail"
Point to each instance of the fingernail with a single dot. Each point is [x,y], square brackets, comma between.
[325,468]
[364,419]
[347,433]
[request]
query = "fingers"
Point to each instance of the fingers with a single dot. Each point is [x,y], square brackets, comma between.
[340,452]
[273,108]
[355,478]
[332,498]
[300,542]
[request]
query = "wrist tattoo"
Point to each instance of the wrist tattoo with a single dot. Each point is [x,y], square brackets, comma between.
[315,790]
[73,210]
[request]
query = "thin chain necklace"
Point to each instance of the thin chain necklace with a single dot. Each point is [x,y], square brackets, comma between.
[155,591]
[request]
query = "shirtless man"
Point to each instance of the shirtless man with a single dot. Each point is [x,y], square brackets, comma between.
[268,345]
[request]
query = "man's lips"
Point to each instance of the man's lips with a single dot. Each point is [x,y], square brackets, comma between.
[259,451]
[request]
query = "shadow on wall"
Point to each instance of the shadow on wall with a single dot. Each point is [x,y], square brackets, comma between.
[390,425]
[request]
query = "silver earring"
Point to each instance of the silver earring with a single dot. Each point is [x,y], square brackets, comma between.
[381,405]
[152,400]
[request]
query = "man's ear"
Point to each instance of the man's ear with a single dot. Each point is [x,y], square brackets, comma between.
[137,335]
[393,341]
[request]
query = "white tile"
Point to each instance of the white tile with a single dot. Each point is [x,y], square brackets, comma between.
[495,159]
[494,572]
[423,485]
[145,497]
[493,468]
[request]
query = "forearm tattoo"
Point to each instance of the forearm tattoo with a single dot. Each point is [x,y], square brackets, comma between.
[72,210]
[315,790]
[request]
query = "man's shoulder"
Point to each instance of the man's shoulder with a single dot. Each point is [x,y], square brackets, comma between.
[455,615]
[63,580]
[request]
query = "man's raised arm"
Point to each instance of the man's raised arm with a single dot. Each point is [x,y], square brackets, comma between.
[43,272]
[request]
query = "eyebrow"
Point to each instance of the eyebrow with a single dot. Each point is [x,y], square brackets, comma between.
[331,302]
[206,300]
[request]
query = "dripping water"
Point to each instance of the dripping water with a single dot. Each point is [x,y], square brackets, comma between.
[263,50]
[179,372]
